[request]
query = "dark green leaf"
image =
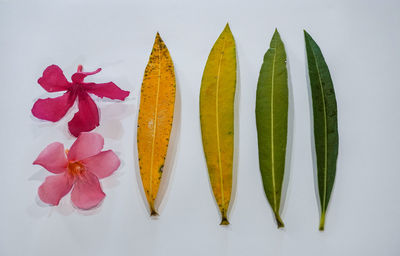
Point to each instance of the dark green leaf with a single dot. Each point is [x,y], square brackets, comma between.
[325,122]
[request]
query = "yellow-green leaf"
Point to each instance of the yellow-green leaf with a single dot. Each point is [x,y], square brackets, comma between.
[272,119]
[156,112]
[217,96]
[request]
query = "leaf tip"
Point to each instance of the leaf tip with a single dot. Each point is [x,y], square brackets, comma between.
[158,40]
[276,34]
[227,28]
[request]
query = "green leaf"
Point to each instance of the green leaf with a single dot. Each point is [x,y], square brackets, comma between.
[325,122]
[272,119]
[217,96]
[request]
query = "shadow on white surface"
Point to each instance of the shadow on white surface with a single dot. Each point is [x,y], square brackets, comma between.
[111,116]
[161,199]
[312,142]
[144,205]
[235,164]
[40,175]
[289,145]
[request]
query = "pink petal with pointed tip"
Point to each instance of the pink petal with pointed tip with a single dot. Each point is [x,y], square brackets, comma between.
[86,145]
[87,118]
[54,188]
[53,79]
[78,77]
[102,164]
[108,90]
[53,158]
[87,192]
[53,109]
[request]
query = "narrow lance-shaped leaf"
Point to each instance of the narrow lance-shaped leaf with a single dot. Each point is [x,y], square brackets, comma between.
[156,112]
[271,119]
[325,122]
[217,96]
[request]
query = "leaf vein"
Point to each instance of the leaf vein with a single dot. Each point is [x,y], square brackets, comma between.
[272,131]
[325,134]
[155,122]
[217,125]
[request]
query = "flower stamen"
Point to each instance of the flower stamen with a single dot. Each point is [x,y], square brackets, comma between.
[76,169]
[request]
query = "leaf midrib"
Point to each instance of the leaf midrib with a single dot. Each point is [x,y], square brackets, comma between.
[155,121]
[325,134]
[217,125]
[272,129]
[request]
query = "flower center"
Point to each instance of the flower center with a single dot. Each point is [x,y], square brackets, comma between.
[76,169]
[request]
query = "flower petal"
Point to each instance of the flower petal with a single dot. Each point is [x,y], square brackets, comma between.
[53,158]
[79,76]
[54,188]
[53,79]
[108,90]
[87,118]
[53,109]
[87,192]
[86,145]
[102,164]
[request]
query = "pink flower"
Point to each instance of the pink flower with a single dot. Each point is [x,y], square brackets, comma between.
[53,109]
[78,169]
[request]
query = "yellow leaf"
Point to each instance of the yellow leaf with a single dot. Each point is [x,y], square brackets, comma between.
[217,96]
[156,113]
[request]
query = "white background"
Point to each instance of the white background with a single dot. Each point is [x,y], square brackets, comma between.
[360,41]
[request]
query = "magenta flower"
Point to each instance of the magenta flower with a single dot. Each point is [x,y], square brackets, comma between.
[78,169]
[53,109]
